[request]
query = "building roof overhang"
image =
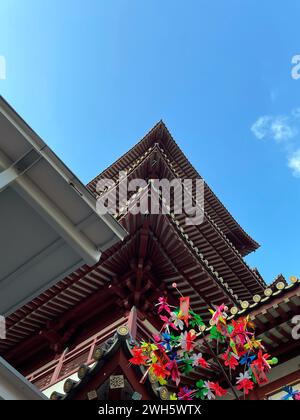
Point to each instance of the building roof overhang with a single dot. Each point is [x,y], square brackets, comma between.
[49,222]
[13,386]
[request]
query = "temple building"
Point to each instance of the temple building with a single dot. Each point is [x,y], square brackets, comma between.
[74,340]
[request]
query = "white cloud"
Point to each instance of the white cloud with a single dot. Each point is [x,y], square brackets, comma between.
[261,127]
[294,163]
[279,128]
[282,129]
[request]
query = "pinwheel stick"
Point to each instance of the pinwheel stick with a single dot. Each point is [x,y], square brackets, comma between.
[215,357]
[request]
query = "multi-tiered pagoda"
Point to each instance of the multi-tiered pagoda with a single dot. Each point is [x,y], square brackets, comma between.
[74,340]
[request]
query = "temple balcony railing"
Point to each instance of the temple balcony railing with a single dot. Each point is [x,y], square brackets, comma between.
[70,360]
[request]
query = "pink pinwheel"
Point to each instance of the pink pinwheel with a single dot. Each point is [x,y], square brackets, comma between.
[156,338]
[158,342]
[163,305]
[168,323]
[219,314]
[297,396]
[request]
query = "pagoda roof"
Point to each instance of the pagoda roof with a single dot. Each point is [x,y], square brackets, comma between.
[160,134]
[201,259]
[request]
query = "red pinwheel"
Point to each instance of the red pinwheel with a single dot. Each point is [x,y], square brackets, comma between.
[244,383]
[240,335]
[160,370]
[217,389]
[230,360]
[198,360]
[240,350]
[203,363]
[261,361]
[138,357]
[186,340]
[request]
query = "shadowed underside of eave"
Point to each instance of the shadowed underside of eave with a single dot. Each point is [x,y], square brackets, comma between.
[207,237]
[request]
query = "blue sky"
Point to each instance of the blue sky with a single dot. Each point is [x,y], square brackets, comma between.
[92,77]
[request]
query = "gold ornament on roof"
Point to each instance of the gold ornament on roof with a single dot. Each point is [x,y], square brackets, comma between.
[245,304]
[268,292]
[98,353]
[280,285]
[123,330]
[234,310]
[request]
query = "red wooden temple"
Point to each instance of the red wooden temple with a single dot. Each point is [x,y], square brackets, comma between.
[74,340]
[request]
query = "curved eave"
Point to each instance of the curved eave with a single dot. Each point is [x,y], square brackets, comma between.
[165,167]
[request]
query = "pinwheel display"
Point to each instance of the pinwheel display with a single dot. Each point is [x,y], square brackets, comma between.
[185,344]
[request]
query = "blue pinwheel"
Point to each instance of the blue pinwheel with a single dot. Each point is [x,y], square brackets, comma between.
[173,355]
[247,360]
[166,342]
[290,393]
